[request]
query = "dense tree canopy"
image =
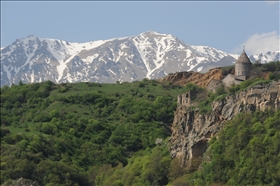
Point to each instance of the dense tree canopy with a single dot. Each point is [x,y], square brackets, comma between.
[57,134]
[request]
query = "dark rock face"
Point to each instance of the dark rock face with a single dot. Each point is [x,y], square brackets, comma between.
[191,130]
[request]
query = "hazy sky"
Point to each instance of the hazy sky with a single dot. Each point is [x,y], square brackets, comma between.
[223,25]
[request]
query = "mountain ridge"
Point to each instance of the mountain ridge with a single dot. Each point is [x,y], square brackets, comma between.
[148,55]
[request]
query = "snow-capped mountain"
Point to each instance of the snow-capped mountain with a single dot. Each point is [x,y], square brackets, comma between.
[148,55]
[266,58]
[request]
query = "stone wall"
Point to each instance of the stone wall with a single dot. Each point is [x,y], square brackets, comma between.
[213,85]
[243,69]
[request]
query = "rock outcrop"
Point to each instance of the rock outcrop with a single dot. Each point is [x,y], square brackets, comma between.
[200,79]
[191,130]
[21,182]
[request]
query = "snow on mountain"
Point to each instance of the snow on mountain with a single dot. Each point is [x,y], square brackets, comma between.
[266,57]
[147,55]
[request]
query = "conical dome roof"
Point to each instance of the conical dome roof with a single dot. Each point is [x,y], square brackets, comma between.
[243,58]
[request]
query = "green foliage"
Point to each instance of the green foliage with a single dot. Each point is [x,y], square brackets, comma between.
[205,104]
[233,89]
[105,134]
[20,83]
[57,134]
[221,90]
[274,76]
[148,167]
[227,70]
[252,82]
[175,171]
[192,86]
[246,152]
[272,66]
[204,107]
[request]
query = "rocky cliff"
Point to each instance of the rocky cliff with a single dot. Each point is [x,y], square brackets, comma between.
[191,130]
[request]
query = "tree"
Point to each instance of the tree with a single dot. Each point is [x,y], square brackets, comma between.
[20,83]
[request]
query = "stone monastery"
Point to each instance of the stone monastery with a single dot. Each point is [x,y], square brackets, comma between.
[242,72]
[260,97]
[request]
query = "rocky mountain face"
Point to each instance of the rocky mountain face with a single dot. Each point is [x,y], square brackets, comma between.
[191,130]
[148,55]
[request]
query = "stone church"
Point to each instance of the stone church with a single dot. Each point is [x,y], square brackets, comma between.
[242,72]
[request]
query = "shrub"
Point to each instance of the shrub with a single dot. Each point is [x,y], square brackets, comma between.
[221,90]
[63,89]
[141,84]
[227,70]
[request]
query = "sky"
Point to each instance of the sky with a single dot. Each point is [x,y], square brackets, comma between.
[226,26]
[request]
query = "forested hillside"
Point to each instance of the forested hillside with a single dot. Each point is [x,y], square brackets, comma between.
[117,134]
[68,133]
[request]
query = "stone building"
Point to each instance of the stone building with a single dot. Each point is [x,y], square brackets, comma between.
[185,99]
[242,73]
[232,80]
[243,66]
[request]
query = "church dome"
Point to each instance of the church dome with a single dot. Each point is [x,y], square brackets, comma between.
[243,58]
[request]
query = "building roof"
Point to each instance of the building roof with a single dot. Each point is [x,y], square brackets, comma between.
[243,58]
[215,81]
[237,78]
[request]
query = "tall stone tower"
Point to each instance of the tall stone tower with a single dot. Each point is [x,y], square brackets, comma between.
[243,66]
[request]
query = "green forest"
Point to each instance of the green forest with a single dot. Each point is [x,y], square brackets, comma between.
[117,134]
[69,134]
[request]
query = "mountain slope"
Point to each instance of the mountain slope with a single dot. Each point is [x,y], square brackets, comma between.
[148,55]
